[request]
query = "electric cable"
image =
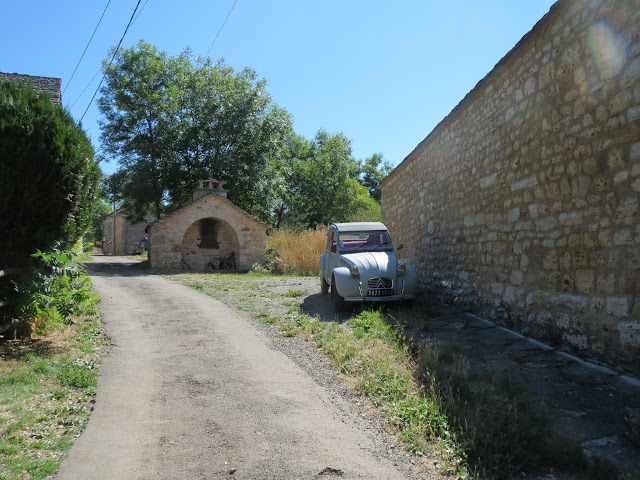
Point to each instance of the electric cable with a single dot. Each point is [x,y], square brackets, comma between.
[223,24]
[112,58]
[85,48]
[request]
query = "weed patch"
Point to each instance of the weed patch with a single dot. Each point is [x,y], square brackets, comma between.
[46,389]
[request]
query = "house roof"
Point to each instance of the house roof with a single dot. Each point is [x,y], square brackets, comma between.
[201,200]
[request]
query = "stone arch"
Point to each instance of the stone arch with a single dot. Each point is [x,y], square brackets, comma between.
[210,244]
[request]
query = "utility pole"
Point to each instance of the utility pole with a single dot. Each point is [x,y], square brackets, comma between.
[114,225]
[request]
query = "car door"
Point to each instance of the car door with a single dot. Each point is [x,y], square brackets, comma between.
[332,252]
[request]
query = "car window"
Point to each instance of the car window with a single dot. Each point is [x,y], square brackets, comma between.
[332,241]
[364,241]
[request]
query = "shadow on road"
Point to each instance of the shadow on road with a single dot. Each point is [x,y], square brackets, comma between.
[103,266]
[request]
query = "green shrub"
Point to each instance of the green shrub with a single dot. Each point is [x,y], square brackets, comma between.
[48,175]
[57,291]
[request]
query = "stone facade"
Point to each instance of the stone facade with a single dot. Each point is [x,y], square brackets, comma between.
[210,234]
[47,85]
[523,204]
[127,235]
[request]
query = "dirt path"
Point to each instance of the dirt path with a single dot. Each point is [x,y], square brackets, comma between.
[192,390]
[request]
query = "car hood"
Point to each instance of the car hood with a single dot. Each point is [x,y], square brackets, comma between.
[372,264]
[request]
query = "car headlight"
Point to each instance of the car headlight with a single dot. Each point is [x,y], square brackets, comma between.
[402,269]
[354,271]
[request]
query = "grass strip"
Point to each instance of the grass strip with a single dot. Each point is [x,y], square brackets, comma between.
[47,386]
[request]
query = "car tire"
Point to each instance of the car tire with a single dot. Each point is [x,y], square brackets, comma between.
[324,286]
[338,300]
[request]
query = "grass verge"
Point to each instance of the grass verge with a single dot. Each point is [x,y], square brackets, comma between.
[47,385]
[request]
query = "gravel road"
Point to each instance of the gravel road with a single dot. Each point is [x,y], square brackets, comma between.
[194,389]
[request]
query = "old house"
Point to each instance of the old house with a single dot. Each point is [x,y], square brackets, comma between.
[48,85]
[120,236]
[210,234]
[523,204]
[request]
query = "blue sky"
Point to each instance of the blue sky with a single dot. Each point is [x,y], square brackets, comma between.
[383,73]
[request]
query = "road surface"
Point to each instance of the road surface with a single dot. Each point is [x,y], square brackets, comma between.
[193,389]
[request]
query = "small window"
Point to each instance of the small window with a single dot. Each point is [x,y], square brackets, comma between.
[208,234]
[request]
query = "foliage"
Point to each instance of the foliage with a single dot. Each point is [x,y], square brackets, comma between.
[59,371]
[372,172]
[321,184]
[48,175]
[172,121]
[57,291]
[300,251]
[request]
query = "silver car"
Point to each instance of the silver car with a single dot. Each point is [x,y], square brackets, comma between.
[359,265]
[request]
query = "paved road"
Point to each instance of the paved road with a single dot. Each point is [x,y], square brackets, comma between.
[192,390]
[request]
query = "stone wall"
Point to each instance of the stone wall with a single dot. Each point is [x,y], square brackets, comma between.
[523,204]
[128,235]
[176,241]
[47,85]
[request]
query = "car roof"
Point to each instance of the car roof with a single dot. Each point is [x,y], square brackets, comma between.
[360,226]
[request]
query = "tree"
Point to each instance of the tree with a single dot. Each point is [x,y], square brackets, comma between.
[322,183]
[171,121]
[372,172]
[48,175]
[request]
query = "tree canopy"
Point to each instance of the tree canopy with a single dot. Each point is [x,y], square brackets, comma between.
[170,121]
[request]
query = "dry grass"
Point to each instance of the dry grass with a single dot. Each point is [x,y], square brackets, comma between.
[300,250]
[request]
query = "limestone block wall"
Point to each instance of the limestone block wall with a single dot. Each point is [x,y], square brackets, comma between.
[523,205]
[127,237]
[173,241]
[49,85]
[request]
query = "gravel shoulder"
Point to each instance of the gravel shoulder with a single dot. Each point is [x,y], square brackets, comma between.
[195,389]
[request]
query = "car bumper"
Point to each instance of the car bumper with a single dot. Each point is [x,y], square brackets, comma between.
[388,298]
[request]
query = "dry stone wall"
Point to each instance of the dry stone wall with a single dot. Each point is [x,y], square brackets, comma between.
[127,235]
[523,205]
[174,240]
[48,85]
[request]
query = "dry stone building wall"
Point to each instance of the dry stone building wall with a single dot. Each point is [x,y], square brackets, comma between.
[210,234]
[523,205]
[126,240]
[48,85]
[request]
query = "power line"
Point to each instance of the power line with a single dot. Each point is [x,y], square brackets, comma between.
[223,24]
[85,48]
[100,69]
[112,58]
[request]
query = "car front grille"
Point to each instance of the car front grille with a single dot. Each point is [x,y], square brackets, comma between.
[379,283]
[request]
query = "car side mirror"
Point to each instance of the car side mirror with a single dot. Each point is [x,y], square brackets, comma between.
[400,247]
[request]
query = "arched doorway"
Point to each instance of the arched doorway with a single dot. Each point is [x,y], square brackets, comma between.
[210,244]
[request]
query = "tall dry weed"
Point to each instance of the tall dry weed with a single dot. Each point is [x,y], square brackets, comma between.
[300,250]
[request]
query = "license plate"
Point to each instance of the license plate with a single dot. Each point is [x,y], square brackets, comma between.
[380,293]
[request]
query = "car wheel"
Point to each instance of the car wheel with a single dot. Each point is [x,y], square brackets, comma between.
[338,300]
[324,286]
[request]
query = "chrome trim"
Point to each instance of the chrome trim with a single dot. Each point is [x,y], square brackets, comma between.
[361,290]
[402,291]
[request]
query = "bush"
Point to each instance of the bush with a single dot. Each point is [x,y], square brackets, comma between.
[300,251]
[48,175]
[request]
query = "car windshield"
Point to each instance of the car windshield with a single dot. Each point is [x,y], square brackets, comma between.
[364,241]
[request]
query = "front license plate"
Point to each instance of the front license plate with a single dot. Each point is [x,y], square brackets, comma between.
[380,293]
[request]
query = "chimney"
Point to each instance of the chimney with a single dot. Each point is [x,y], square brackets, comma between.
[205,187]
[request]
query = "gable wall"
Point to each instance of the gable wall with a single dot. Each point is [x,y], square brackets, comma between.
[49,85]
[523,205]
[166,237]
[128,235]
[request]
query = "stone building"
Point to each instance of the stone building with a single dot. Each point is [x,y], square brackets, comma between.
[523,204]
[210,234]
[127,237]
[48,85]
